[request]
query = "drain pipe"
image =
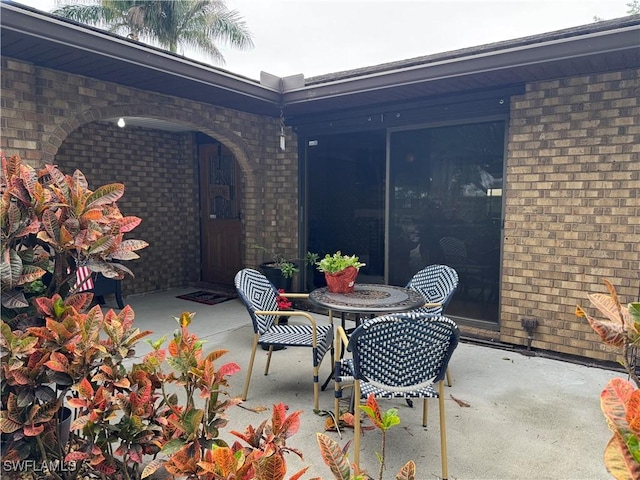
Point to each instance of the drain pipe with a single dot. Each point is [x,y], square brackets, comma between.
[529,325]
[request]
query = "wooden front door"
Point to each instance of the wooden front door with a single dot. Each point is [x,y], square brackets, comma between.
[220,214]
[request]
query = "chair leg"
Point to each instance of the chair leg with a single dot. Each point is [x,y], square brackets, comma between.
[356,424]
[449,382]
[316,388]
[443,432]
[250,367]
[425,409]
[337,394]
[266,367]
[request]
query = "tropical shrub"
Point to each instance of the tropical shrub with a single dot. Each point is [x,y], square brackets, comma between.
[50,225]
[620,399]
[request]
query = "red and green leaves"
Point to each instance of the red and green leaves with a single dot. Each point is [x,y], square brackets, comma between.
[267,444]
[334,457]
[618,328]
[620,402]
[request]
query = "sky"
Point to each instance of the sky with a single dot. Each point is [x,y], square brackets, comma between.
[315,37]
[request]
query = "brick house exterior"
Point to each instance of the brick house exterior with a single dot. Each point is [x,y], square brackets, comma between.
[572,211]
[571,208]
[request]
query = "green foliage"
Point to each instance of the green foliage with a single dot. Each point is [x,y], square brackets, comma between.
[195,24]
[279,261]
[338,262]
[311,258]
[288,269]
[189,430]
[336,457]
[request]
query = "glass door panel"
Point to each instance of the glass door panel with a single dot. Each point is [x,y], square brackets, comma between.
[445,206]
[345,198]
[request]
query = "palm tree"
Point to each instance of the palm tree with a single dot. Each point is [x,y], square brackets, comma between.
[171,24]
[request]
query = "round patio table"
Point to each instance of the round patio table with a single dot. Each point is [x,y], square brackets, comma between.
[368,299]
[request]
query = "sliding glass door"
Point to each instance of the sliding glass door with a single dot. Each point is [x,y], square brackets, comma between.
[345,198]
[404,199]
[445,206]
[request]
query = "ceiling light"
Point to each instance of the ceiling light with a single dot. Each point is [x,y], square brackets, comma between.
[121,122]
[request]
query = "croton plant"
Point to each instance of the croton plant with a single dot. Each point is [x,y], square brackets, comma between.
[620,399]
[60,352]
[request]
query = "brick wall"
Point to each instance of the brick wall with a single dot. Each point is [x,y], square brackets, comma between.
[572,209]
[572,213]
[159,171]
[53,117]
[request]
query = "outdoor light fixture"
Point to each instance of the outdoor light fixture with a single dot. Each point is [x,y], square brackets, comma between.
[121,122]
[282,137]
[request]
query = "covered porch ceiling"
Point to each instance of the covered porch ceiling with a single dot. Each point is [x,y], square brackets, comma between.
[59,44]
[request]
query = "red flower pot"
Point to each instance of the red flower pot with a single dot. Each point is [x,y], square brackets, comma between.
[343,281]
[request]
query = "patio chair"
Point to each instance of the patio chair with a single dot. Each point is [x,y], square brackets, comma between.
[401,355]
[259,297]
[437,284]
[472,276]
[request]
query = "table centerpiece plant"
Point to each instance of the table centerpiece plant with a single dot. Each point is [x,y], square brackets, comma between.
[340,271]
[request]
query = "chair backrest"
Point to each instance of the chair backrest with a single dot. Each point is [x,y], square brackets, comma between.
[257,294]
[436,283]
[454,251]
[403,351]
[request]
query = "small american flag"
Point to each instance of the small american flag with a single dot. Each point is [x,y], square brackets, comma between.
[84,280]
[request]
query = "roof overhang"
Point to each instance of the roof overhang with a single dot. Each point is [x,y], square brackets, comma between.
[50,42]
[558,58]
[59,44]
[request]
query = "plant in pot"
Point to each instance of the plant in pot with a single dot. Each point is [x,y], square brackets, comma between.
[279,271]
[340,271]
[315,278]
[620,399]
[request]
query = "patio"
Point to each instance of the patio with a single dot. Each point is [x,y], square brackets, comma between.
[528,417]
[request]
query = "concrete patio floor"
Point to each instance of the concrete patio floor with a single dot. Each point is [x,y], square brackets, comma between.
[528,417]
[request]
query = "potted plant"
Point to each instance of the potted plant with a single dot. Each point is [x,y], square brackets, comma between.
[279,271]
[340,271]
[315,278]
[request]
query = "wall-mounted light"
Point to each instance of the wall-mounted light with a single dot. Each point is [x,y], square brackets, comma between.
[121,122]
[282,136]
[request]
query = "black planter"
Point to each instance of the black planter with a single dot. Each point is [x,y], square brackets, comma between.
[274,275]
[315,278]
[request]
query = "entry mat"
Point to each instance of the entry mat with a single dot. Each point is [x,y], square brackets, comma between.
[208,298]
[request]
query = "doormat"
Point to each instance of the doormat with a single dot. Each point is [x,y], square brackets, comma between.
[208,298]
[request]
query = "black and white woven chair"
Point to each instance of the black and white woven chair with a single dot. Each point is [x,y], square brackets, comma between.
[259,296]
[402,355]
[437,284]
[473,277]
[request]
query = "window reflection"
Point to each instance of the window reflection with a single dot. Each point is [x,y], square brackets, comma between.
[446,206]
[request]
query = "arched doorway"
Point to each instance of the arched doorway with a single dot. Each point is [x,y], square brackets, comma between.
[158,161]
